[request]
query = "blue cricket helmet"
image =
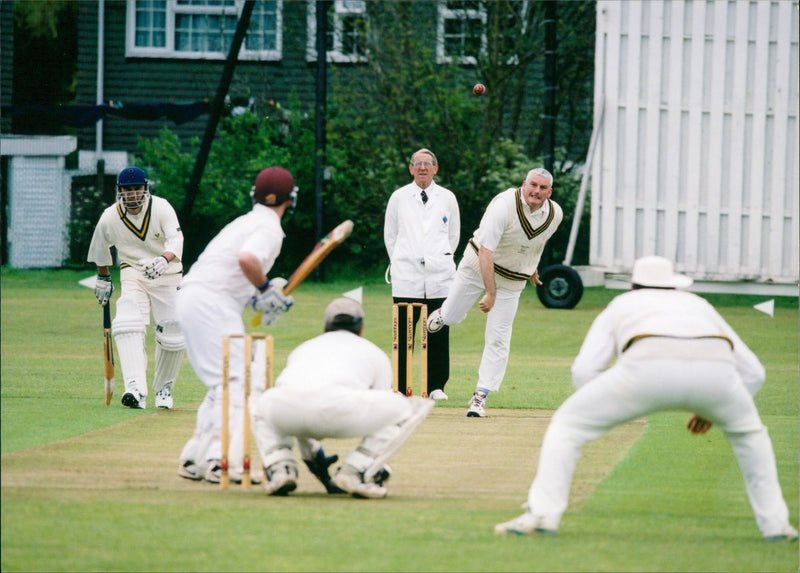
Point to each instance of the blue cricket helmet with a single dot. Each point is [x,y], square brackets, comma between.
[131,176]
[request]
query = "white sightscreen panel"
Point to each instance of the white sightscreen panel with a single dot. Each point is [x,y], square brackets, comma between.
[38,212]
[698,155]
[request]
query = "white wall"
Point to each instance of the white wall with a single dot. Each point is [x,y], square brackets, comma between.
[697,156]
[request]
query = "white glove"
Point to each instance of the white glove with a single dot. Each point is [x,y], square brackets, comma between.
[272,302]
[103,287]
[155,268]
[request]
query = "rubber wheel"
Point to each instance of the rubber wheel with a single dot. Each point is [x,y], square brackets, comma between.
[561,287]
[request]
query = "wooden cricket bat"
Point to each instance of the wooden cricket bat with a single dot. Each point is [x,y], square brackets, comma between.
[321,250]
[108,353]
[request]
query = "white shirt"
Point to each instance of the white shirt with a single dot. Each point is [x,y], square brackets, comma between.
[338,358]
[259,232]
[421,239]
[659,312]
[146,235]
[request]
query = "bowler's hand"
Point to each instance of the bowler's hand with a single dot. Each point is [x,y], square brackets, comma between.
[698,425]
[487,302]
[535,278]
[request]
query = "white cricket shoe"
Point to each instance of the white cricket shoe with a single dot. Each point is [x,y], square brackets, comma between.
[214,471]
[164,398]
[348,479]
[788,534]
[438,395]
[525,524]
[133,399]
[435,321]
[281,478]
[188,470]
[477,406]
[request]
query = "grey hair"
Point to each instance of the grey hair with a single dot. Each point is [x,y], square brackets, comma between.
[424,150]
[540,171]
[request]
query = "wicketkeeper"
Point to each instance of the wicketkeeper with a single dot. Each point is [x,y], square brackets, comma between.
[337,385]
[149,242]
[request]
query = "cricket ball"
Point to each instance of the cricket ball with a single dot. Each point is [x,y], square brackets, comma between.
[479,89]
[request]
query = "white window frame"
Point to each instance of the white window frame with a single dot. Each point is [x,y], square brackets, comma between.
[340,7]
[169,51]
[443,14]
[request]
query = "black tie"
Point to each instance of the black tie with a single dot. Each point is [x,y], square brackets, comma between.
[424,197]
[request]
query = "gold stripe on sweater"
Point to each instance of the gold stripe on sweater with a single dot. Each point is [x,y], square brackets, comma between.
[529,230]
[139,232]
[502,271]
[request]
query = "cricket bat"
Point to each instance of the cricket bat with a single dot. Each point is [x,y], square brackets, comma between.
[108,353]
[321,250]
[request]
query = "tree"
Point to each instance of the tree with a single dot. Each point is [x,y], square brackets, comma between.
[45,60]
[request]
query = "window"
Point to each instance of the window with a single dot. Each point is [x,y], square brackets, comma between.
[346,34]
[202,29]
[461,35]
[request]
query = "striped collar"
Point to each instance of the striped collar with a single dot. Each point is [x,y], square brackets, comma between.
[527,226]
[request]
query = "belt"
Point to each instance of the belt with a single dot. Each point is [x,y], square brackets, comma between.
[639,337]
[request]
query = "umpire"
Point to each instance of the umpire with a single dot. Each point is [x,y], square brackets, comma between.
[421,232]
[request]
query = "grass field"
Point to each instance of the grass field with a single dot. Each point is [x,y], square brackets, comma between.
[87,487]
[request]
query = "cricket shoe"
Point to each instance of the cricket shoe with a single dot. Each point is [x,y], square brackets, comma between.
[789,534]
[133,399]
[351,481]
[526,524]
[438,395]
[435,321]
[188,470]
[281,478]
[477,406]
[164,398]
[214,471]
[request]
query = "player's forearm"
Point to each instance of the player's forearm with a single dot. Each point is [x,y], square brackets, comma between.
[252,269]
[486,261]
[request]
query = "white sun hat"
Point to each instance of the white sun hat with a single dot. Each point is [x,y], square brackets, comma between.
[657,272]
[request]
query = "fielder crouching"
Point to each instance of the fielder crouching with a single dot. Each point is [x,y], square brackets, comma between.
[336,385]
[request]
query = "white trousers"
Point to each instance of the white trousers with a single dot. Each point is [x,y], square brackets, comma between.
[467,288]
[633,388]
[283,413]
[156,296]
[206,318]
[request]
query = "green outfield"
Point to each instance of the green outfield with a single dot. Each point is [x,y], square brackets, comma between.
[87,487]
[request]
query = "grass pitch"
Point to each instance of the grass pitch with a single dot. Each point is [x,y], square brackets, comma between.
[92,488]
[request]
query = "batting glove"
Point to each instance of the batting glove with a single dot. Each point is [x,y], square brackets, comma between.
[272,302]
[103,287]
[155,268]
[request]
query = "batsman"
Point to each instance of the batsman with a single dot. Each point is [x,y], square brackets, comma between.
[148,239]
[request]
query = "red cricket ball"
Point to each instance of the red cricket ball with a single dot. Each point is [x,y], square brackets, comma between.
[479,89]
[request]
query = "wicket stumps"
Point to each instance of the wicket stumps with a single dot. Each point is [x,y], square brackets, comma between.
[224,480]
[423,345]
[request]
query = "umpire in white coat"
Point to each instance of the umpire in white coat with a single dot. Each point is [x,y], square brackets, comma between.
[673,351]
[421,231]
